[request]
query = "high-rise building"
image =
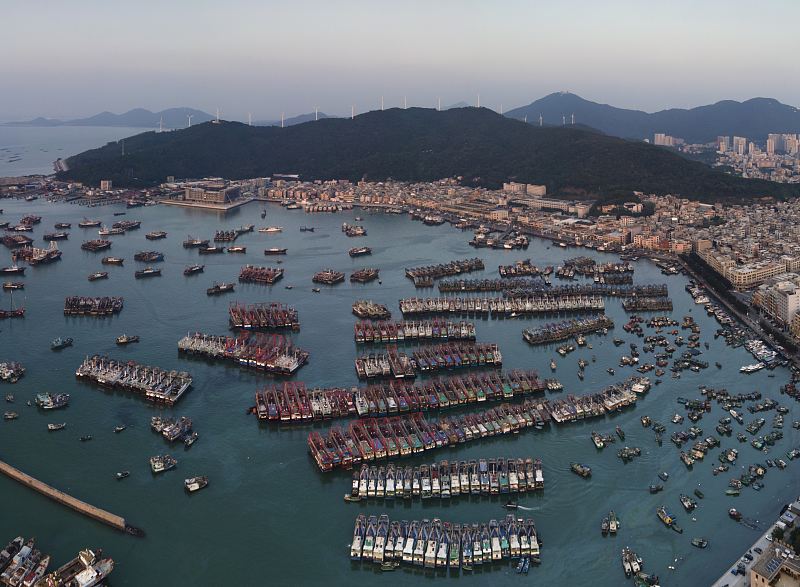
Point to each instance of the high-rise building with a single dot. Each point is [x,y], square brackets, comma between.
[663,140]
[739,145]
[771,145]
[723,144]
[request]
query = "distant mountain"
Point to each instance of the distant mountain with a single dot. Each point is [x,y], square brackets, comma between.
[299,119]
[137,118]
[417,144]
[753,118]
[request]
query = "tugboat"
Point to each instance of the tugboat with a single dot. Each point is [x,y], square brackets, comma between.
[98,275]
[219,288]
[122,474]
[127,339]
[59,426]
[192,269]
[147,272]
[60,343]
[699,542]
[195,483]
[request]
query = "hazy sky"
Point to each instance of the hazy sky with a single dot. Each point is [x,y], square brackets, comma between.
[77,58]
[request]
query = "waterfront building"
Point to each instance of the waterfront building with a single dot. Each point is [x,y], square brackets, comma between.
[213,191]
[777,565]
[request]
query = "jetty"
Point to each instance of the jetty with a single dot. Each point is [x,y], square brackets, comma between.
[59,496]
[410,330]
[501,307]
[271,353]
[447,479]
[153,383]
[293,403]
[567,329]
[266,316]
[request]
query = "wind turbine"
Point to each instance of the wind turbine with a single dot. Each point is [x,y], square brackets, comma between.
[249,119]
[281,119]
[352,111]
[189,118]
[479,99]
[541,120]
[439,104]
[161,124]
[381,103]
[405,103]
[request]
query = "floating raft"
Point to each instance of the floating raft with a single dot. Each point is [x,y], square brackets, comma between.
[254,274]
[154,384]
[540,304]
[294,403]
[567,329]
[647,304]
[443,545]
[272,353]
[456,267]
[86,306]
[446,479]
[263,316]
[377,438]
[379,332]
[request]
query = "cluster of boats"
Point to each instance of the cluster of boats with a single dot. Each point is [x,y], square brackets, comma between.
[353,230]
[564,330]
[175,429]
[23,565]
[365,275]
[452,355]
[647,304]
[92,306]
[328,277]
[270,315]
[434,544]
[512,307]
[370,310]
[11,371]
[255,274]
[272,353]
[447,479]
[408,330]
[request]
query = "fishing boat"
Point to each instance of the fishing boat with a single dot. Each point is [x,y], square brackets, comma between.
[359,251]
[86,438]
[582,470]
[98,275]
[13,270]
[155,235]
[119,428]
[699,493]
[193,269]
[122,474]
[699,542]
[127,339]
[191,439]
[86,223]
[147,272]
[656,488]
[735,514]
[219,288]
[10,416]
[59,426]
[161,463]
[194,243]
[10,398]
[613,523]
[275,251]
[61,225]
[13,285]
[112,260]
[270,229]
[195,483]
[48,401]
[237,249]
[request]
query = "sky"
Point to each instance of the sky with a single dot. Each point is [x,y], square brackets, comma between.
[69,59]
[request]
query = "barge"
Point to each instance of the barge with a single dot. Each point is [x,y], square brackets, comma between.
[152,383]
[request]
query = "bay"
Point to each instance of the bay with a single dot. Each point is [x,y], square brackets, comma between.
[268,514]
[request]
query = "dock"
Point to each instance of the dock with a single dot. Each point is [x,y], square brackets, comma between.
[79,506]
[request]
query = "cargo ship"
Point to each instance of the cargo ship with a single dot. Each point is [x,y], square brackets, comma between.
[149,256]
[364,275]
[219,288]
[155,235]
[96,245]
[386,332]
[98,275]
[147,272]
[359,251]
[154,384]
[271,353]
[367,309]
[194,243]
[112,261]
[256,274]
[275,251]
[193,269]
[328,277]
[265,316]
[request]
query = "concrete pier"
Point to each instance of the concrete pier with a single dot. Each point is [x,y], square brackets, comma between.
[79,506]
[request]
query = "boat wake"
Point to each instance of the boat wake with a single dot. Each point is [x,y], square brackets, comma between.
[527,509]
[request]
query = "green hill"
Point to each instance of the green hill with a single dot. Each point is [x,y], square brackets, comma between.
[415,145]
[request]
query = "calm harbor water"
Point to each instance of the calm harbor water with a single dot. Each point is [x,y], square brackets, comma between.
[31,150]
[268,514]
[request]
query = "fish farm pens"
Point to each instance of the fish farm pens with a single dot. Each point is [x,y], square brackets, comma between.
[154,384]
[293,403]
[263,316]
[446,479]
[271,353]
[567,329]
[377,438]
[501,307]
[412,331]
[433,544]
[428,359]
